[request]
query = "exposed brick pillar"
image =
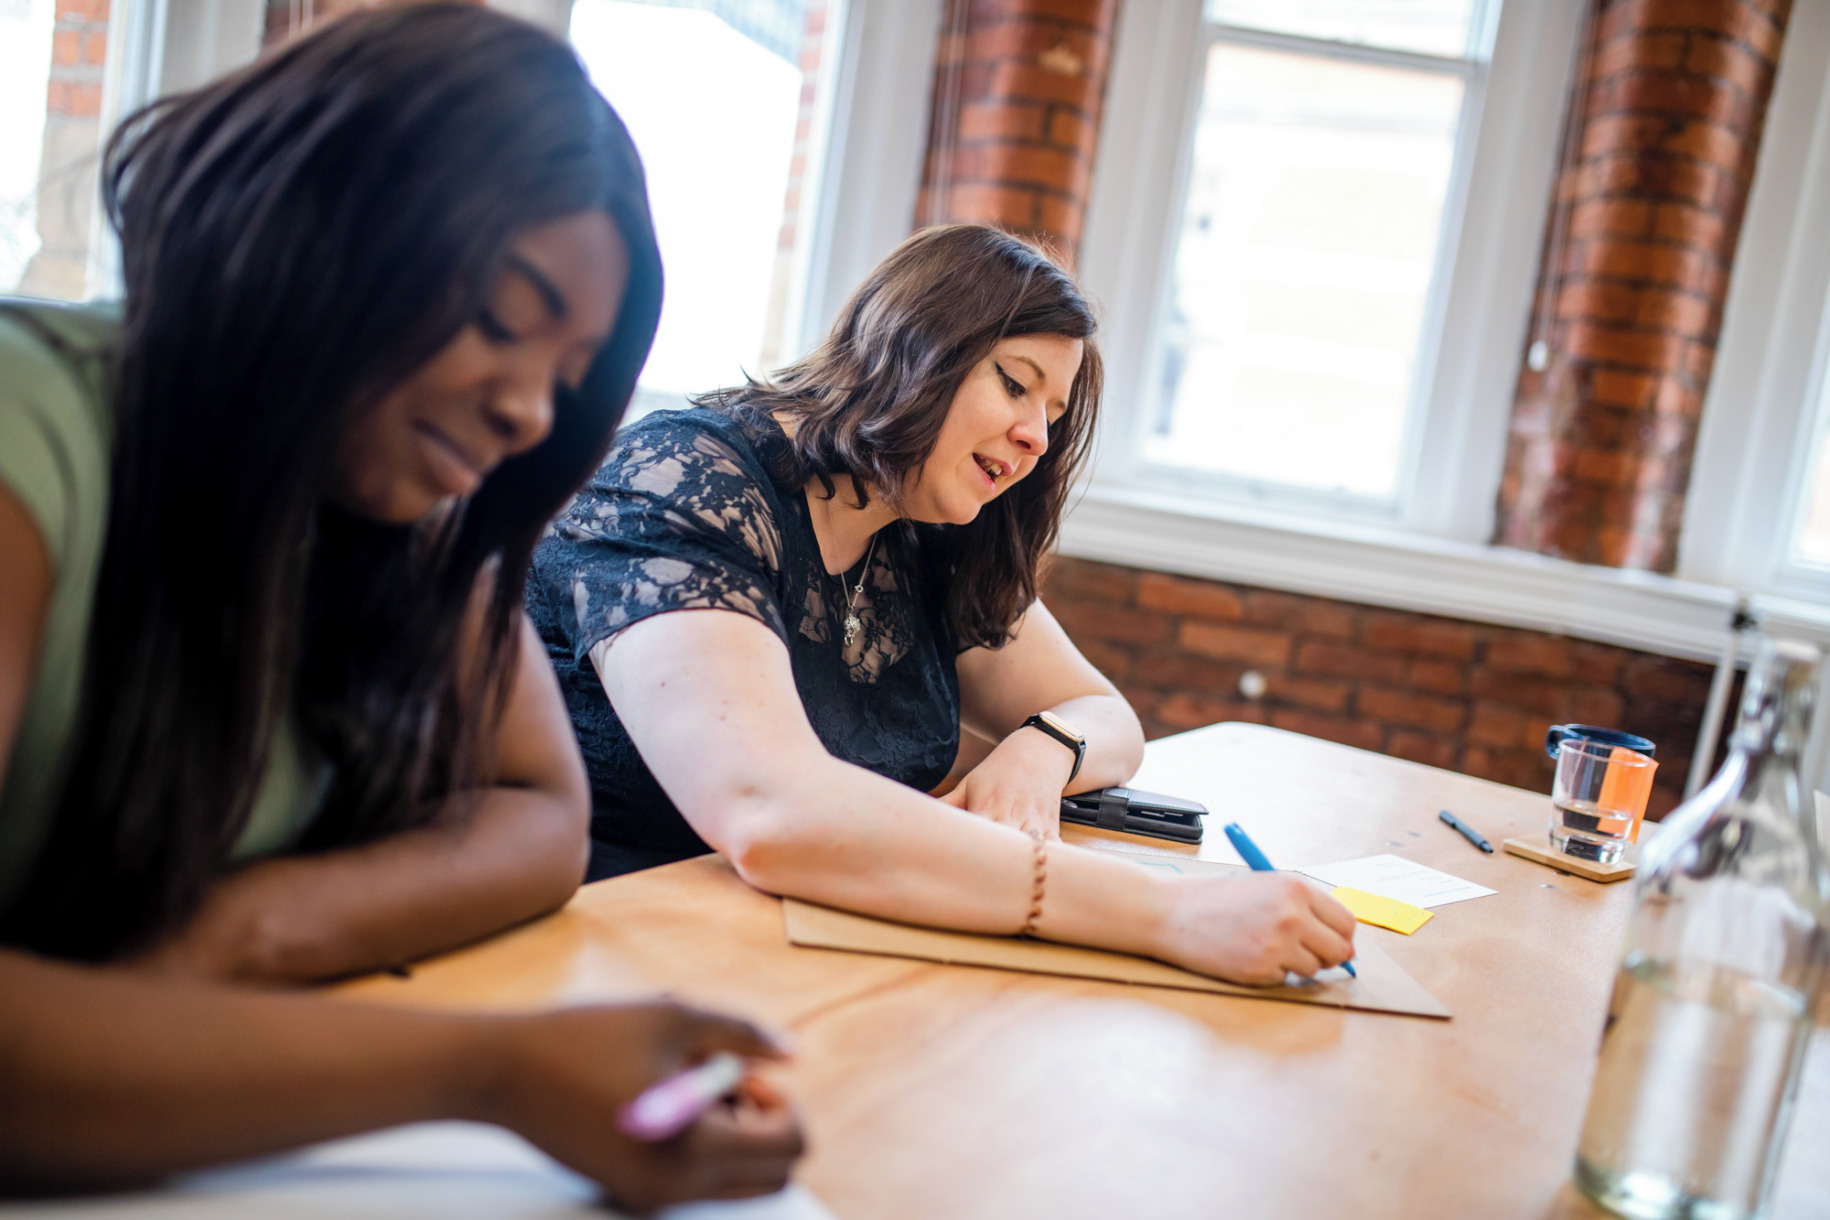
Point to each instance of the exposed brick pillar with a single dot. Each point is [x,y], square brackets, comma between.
[67,162]
[1018,88]
[1662,137]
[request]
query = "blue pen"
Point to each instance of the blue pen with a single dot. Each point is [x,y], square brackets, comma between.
[1248,851]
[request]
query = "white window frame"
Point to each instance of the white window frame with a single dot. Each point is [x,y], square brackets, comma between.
[1123,459]
[1751,472]
[1492,218]
[1433,555]
[859,198]
[157,47]
[865,199]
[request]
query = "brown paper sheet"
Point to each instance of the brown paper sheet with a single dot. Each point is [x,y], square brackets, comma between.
[1383,986]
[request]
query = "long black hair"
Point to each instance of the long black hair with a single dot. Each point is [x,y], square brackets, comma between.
[297,239]
[869,403]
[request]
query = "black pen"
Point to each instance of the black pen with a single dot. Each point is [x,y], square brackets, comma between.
[1467,831]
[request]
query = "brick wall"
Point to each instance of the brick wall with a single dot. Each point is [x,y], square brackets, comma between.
[1015,114]
[1465,696]
[1659,154]
[68,160]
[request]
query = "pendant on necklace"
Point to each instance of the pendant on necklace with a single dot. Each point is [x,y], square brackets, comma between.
[852,621]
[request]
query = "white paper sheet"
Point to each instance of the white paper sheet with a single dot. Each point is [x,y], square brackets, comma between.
[427,1171]
[1395,877]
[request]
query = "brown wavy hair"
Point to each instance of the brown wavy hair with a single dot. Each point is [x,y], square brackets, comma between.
[868,404]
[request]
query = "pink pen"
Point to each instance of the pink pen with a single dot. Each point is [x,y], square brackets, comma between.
[668,1108]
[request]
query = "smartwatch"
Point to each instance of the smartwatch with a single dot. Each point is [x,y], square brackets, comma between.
[1062,732]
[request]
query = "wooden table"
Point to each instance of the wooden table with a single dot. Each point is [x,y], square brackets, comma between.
[933,1091]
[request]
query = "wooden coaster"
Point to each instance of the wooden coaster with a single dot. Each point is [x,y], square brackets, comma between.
[1537,848]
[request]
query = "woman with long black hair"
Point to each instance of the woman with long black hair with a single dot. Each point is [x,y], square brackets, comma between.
[269,709]
[800,625]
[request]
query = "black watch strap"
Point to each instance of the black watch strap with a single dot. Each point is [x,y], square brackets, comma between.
[1062,732]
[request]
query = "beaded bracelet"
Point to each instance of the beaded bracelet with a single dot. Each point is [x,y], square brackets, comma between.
[1041,883]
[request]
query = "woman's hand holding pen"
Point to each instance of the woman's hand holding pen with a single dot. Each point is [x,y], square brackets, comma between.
[1253,928]
[561,1079]
[1018,784]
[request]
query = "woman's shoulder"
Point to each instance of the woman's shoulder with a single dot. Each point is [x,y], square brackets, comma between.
[54,351]
[56,421]
[681,516]
[674,479]
[56,432]
[696,450]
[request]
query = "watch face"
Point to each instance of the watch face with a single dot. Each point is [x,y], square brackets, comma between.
[1059,725]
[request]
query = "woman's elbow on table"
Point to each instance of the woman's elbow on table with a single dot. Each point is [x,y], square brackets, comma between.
[1131,743]
[758,833]
[565,821]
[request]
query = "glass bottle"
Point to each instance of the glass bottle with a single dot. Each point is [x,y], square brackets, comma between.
[1711,1010]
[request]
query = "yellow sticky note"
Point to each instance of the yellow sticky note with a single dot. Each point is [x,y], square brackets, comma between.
[1382,911]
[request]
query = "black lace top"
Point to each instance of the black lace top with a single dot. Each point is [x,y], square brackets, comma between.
[684,515]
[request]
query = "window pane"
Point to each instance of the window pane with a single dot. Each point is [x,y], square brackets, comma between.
[51,55]
[1811,546]
[1433,27]
[1307,248]
[720,99]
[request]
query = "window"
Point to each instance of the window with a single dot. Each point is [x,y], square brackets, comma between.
[1810,541]
[1314,230]
[1310,243]
[52,54]
[69,70]
[1757,514]
[726,101]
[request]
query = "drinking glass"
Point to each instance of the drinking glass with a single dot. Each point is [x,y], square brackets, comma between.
[1598,798]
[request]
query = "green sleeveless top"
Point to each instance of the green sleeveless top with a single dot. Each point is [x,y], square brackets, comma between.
[56,429]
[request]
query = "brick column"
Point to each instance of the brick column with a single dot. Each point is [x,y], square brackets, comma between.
[1659,152]
[1018,88]
[67,162]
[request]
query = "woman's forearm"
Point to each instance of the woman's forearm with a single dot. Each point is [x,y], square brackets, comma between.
[514,854]
[108,1078]
[1115,741]
[1039,669]
[902,855]
[838,835]
[709,699]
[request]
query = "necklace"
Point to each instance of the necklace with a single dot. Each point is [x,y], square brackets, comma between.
[852,622]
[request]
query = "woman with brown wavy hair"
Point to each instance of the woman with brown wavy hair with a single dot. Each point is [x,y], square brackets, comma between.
[812,605]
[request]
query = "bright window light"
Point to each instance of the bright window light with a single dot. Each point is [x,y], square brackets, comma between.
[25,67]
[1811,538]
[714,115]
[1429,27]
[1307,251]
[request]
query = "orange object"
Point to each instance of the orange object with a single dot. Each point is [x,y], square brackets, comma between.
[1625,788]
